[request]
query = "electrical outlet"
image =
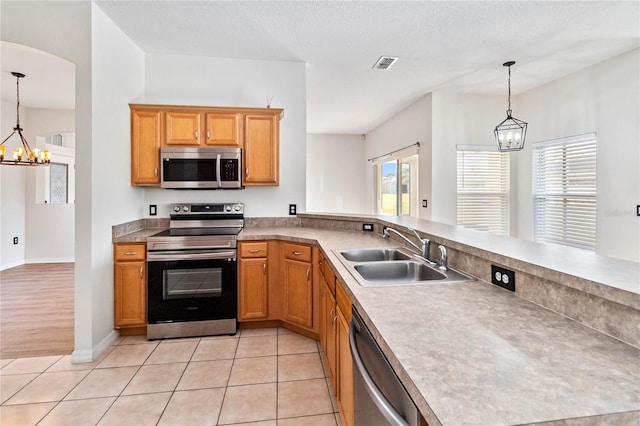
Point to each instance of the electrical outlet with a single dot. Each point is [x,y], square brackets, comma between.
[424,203]
[503,278]
[638,210]
[367,227]
[292,209]
[153,210]
[15,240]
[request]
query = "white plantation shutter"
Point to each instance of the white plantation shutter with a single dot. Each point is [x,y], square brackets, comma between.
[483,189]
[565,192]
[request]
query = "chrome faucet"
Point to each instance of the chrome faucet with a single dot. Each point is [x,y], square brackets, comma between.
[443,258]
[423,248]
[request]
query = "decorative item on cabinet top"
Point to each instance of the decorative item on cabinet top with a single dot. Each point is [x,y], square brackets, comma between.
[255,130]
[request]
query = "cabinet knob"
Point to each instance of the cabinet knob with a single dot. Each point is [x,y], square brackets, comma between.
[254,250]
[155,172]
[246,172]
[264,268]
[297,253]
[208,134]
[196,134]
[308,273]
[130,253]
[141,271]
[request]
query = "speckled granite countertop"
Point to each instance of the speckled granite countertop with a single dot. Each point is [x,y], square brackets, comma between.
[475,354]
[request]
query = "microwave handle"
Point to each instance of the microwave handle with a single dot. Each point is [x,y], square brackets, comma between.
[218,171]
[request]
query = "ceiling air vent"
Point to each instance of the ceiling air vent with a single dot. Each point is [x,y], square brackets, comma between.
[385,62]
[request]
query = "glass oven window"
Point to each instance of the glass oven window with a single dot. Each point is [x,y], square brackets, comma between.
[189,283]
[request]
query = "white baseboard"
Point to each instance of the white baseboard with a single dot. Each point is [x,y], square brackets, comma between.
[87,355]
[10,265]
[51,260]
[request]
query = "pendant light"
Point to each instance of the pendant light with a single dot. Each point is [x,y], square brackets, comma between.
[23,155]
[510,133]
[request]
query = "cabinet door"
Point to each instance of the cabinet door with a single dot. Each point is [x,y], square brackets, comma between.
[183,128]
[254,288]
[261,149]
[145,147]
[331,337]
[345,371]
[222,130]
[130,294]
[298,289]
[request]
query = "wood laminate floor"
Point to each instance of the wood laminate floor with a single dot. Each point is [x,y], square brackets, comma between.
[36,310]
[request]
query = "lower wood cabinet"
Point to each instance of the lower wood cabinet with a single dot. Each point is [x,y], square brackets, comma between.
[253,288]
[344,374]
[130,285]
[298,285]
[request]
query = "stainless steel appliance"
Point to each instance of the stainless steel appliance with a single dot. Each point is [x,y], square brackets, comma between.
[201,168]
[379,397]
[192,272]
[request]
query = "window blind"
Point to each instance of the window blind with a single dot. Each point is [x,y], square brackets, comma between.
[483,189]
[565,192]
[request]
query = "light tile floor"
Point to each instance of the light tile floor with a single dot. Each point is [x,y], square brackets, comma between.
[260,377]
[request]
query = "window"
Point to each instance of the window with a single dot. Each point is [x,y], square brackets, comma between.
[483,189]
[397,187]
[564,190]
[58,181]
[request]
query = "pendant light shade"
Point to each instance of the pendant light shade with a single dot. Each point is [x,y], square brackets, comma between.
[511,132]
[23,155]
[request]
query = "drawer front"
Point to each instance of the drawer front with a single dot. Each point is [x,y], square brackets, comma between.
[258,249]
[124,252]
[297,252]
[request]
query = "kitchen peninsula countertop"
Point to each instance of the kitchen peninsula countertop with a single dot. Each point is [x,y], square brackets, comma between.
[476,354]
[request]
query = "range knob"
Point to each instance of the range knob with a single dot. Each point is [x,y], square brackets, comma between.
[176,209]
[236,208]
[185,209]
[227,208]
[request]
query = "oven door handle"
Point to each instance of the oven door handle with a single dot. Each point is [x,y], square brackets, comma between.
[192,255]
[218,171]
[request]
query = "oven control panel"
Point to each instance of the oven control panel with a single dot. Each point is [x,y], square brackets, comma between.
[212,209]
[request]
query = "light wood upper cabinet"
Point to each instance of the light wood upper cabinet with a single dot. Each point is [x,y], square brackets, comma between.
[146,134]
[255,130]
[183,128]
[130,285]
[261,149]
[222,129]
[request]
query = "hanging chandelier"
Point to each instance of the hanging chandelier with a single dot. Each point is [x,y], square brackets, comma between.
[510,132]
[23,155]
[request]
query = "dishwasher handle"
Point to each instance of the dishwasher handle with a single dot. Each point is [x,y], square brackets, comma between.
[386,409]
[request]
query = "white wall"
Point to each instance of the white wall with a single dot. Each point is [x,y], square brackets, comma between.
[411,125]
[13,184]
[118,78]
[335,182]
[604,99]
[53,239]
[192,80]
[459,119]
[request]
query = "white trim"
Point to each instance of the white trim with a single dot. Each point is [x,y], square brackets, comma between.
[51,260]
[87,355]
[476,148]
[569,139]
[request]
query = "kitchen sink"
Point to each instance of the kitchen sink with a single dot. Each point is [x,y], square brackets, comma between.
[374,254]
[398,271]
[381,267]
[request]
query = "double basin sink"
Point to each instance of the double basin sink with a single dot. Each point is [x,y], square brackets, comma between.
[378,267]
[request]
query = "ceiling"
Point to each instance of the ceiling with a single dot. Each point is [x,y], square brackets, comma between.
[441,45]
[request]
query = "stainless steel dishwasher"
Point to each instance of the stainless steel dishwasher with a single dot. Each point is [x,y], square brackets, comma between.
[379,397]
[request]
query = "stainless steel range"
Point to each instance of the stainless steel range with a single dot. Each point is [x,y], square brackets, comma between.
[192,272]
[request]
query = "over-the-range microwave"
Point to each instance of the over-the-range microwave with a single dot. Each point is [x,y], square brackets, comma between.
[201,168]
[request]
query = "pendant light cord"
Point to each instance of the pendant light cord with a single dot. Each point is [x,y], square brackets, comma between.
[509,82]
[18,103]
